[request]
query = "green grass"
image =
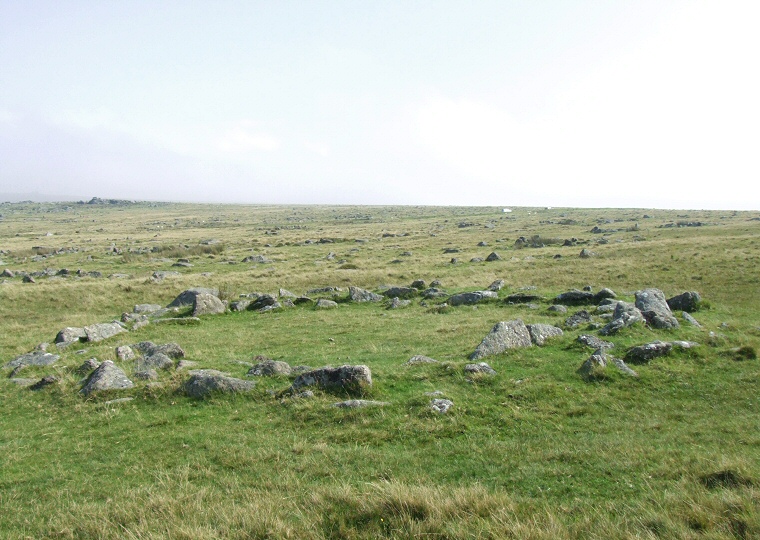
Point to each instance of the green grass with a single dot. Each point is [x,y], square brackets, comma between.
[534,452]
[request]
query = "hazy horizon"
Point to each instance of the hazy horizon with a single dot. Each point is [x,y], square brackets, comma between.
[584,104]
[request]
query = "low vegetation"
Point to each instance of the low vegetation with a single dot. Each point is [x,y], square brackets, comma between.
[534,452]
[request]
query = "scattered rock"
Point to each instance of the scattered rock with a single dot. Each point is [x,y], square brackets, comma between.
[471,298]
[28,279]
[586,253]
[557,308]
[361,295]
[397,303]
[493,257]
[7,274]
[106,377]
[496,285]
[359,403]
[101,331]
[257,259]
[504,335]
[418,284]
[577,319]
[148,348]
[125,353]
[400,292]
[205,382]
[146,375]
[623,368]
[70,335]
[44,382]
[623,316]
[688,301]
[539,333]
[522,298]
[420,359]
[157,360]
[441,406]
[187,297]
[480,367]
[642,354]
[351,379]
[691,320]
[266,367]
[593,367]
[239,305]
[594,342]
[34,358]
[263,301]
[322,303]
[87,367]
[655,309]
[207,304]
[284,293]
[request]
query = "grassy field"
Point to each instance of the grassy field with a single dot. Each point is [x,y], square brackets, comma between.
[533,452]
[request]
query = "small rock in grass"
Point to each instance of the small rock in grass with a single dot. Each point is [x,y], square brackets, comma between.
[441,406]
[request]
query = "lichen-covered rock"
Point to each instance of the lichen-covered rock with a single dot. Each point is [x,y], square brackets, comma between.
[593,367]
[504,335]
[574,298]
[34,358]
[207,304]
[107,376]
[266,367]
[323,303]
[690,320]
[351,379]
[496,285]
[397,303]
[539,333]
[471,298]
[557,308]
[480,367]
[157,360]
[187,297]
[420,359]
[655,309]
[87,367]
[577,319]
[125,353]
[441,406]
[146,308]
[359,403]
[400,292]
[594,342]
[148,348]
[362,295]
[623,316]
[70,334]
[493,257]
[642,354]
[146,375]
[205,382]
[101,331]
[688,301]
[261,302]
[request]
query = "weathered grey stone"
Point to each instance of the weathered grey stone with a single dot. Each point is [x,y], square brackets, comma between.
[539,333]
[148,348]
[239,305]
[7,273]
[594,365]
[691,320]
[101,331]
[125,353]
[497,285]
[134,318]
[146,308]
[157,360]
[400,292]
[655,309]
[44,382]
[557,308]
[146,375]
[265,300]
[106,377]
[87,367]
[604,294]
[207,304]
[359,403]
[257,259]
[441,406]
[480,367]
[577,319]
[266,367]
[205,382]
[187,297]
[575,298]
[34,358]
[594,342]
[434,292]
[361,295]
[284,293]
[18,381]
[70,334]
[352,379]
[642,354]
[684,344]
[623,316]
[620,365]
[418,284]
[688,301]
[504,335]
[397,303]
[28,279]
[185,364]
[471,298]
[420,359]
[493,257]
[323,303]
[586,253]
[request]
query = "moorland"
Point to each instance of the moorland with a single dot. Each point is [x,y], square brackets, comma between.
[535,451]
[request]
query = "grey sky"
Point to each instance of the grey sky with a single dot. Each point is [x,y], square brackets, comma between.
[584,103]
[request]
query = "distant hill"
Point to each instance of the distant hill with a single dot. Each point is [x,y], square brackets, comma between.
[39,197]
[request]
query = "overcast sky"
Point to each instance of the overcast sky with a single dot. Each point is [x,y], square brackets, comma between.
[552,103]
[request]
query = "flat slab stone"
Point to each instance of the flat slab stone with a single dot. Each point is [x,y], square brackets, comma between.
[471,298]
[642,354]
[540,333]
[362,295]
[207,304]
[480,367]
[420,359]
[359,403]
[187,297]
[34,358]
[101,331]
[352,379]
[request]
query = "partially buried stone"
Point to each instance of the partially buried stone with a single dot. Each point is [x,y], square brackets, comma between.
[205,382]
[44,382]
[441,406]
[504,335]
[106,377]
[101,331]
[539,333]
[207,304]
[352,379]
[480,367]
[359,403]
[420,359]
[34,358]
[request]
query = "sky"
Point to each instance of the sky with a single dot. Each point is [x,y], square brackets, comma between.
[582,103]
